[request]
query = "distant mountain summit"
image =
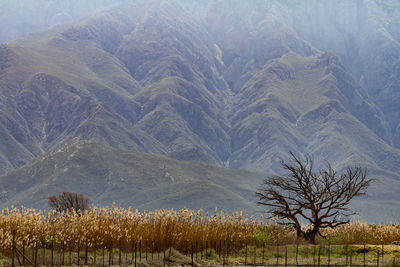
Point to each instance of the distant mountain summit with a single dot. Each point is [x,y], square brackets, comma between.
[230,83]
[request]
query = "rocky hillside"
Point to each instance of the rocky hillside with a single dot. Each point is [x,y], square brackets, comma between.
[129,179]
[230,83]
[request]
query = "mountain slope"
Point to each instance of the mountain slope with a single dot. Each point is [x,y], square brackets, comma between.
[229,83]
[365,34]
[297,103]
[77,62]
[129,178]
[142,64]
[144,181]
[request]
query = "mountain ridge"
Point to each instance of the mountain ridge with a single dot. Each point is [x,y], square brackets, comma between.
[238,88]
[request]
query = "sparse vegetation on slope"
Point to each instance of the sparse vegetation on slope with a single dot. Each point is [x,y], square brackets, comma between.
[106,175]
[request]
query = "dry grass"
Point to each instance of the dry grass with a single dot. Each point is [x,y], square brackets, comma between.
[364,233]
[165,228]
[107,226]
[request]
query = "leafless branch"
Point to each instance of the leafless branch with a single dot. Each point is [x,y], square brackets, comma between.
[320,198]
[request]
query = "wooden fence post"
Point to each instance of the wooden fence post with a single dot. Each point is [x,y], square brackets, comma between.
[52,253]
[23,252]
[158,250]
[286,256]
[44,253]
[133,251]
[319,256]
[364,253]
[223,256]
[119,252]
[164,259]
[377,259]
[206,249]
[197,249]
[94,256]
[79,251]
[277,254]
[112,254]
[152,251]
[145,244]
[255,255]
[36,249]
[192,256]
[13,249]
[314,255]
[126,251]
[201,249]
[60,254]
[224,250]
[86,252]
[135,254]
[140,250]
[70,254]
[351,257]
[103,255]
[329,253]
[245,257]
[263,250]
[297,253]
[62,251]
[109,254]
[219,250]
[227,248]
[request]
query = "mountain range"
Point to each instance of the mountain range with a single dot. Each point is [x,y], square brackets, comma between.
[232,84]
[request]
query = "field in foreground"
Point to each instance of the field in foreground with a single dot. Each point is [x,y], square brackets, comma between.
[115,234]
[112,225]
[138,254]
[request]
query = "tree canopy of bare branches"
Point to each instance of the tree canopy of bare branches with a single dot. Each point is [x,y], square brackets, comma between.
[67,201]
[321,198]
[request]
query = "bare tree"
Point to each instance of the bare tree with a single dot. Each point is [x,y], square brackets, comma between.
[320,198]
[67,201]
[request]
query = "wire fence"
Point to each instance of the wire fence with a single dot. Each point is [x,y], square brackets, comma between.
[155,253]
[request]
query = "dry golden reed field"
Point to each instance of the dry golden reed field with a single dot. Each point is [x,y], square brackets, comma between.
[111,225]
